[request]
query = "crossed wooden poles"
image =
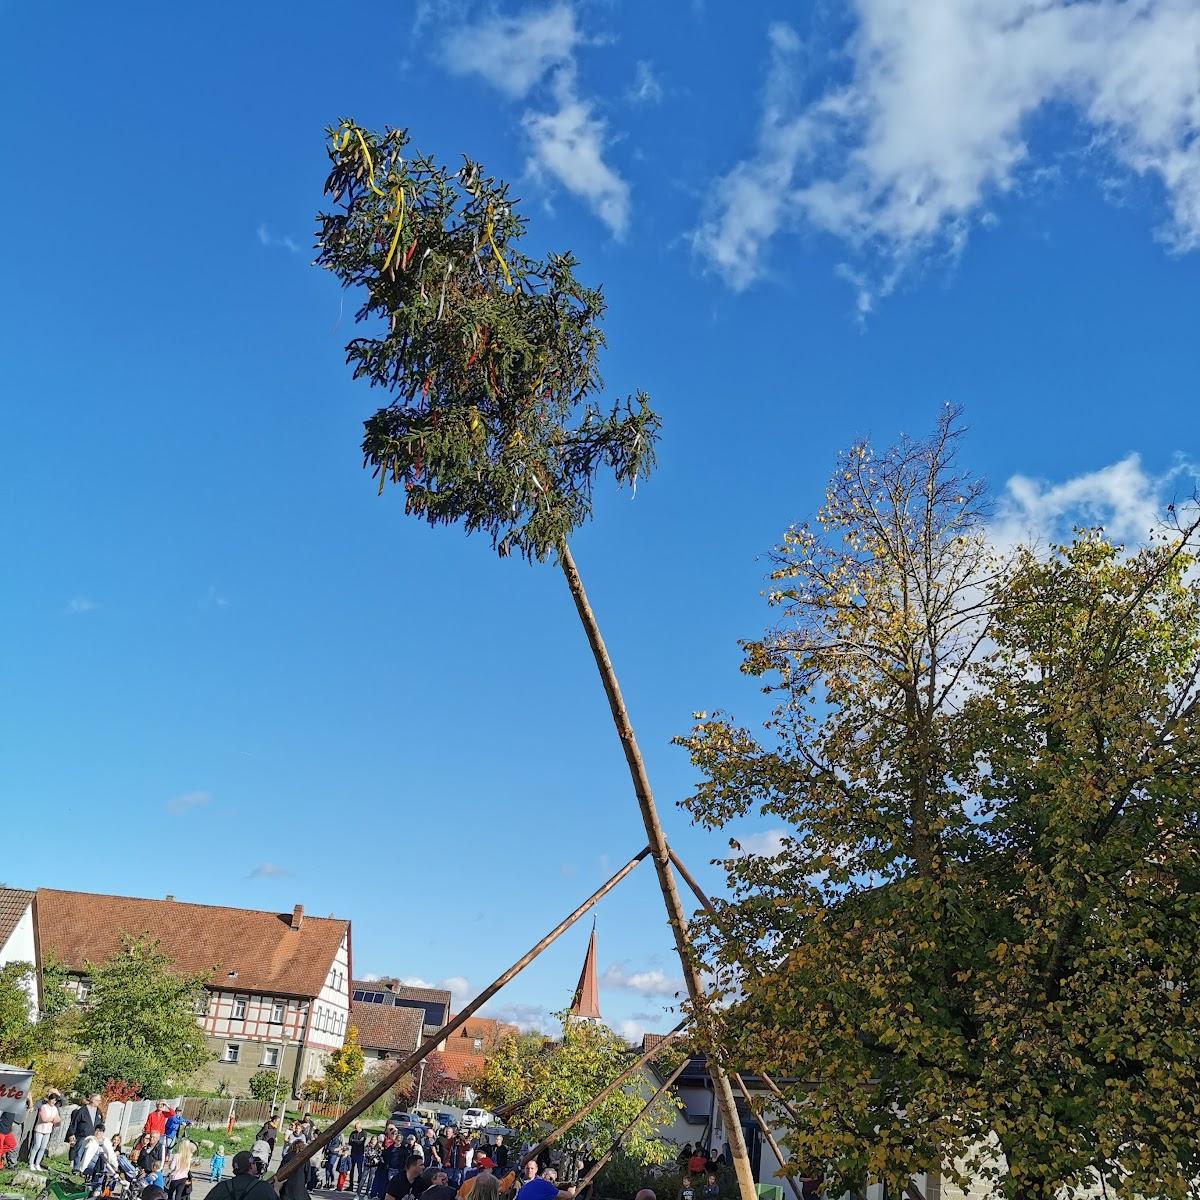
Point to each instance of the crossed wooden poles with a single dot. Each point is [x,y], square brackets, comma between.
[431,1043]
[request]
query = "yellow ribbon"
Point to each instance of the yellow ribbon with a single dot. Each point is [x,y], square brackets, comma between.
[341,142]
[397,213]
[491,241]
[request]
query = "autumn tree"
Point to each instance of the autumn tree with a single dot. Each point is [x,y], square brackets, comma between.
[139,1023]
[981,931]
[555,1079]
[343,1067]
[489,361]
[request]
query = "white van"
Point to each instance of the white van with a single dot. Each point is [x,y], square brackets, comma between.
[477,1118]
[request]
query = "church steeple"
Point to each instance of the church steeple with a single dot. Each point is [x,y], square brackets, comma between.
[586,1002]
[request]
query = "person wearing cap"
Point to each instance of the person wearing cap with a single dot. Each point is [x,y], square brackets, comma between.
[246,1184]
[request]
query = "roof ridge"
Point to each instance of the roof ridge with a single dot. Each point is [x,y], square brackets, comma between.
[265,912]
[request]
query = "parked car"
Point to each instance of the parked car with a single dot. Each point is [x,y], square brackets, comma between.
[448,1120]
[401,1119]
[477,1118]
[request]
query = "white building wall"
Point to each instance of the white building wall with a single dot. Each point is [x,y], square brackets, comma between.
[331,1010]
[21,947]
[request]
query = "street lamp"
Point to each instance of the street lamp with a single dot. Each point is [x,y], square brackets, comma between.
[420,1084]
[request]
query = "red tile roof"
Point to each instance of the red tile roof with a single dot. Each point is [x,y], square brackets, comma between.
[489,1032]
[13,904]
[235,948]
[391,1028]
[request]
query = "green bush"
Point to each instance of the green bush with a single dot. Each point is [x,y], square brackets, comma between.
[263,1085]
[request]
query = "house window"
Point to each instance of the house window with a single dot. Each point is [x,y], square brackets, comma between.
[202,1005]
[477,1044]
[277,1011]
[239,1009]
[85,989]
[232,1052]
[270,1056]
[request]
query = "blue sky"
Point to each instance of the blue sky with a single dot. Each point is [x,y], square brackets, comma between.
[234,674]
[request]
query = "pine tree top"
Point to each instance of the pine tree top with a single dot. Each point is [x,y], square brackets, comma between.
[490,356]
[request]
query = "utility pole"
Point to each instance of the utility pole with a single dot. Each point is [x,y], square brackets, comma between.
[420,1083]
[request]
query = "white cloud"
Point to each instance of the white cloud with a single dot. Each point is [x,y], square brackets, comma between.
[514,54]
[767,844]
[79,605]
[645,88]
[282,241]
[1123,497]
[535,51]
[753,198]
[528,1018]
[268,871]
[178,805]
[654,982]
[457,985]
[568,143]
[632,1031]
[902,159]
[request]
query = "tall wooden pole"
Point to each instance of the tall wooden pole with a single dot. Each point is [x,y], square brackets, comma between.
[662,865]
[431,1043]
[597,1100]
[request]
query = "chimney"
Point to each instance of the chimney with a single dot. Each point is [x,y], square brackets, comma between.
[297,916]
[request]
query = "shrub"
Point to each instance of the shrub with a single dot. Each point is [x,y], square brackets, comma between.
[263,1085]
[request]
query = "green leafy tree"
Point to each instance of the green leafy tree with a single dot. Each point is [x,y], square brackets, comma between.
[556,1079]
[139,1025]
[16,1012]
[982,928]
[344,1067]
[51,1042]
[264,1085]
[489,359]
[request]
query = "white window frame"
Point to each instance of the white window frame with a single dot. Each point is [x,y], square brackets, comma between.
[239,1002]
[233,1053]
[271,1056]
[278,1011]
[84,989]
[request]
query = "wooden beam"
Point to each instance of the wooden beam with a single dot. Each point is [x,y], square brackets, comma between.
[596,1101]
[765,1130]
[598,1166]
[431,1043]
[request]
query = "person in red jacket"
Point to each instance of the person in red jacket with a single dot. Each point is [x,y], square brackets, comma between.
[8,1139]
[156,1122]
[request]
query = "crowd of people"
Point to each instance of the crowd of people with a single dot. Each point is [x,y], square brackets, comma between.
[373,1164]
[401,1163]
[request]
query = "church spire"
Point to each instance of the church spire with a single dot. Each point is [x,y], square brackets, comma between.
[586,1002]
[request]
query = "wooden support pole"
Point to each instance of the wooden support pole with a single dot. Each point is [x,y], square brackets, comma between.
[773,1087]
[688,878]
[765,1130]
[662,866]
[598,1166]
[596,1101]
[431,1043]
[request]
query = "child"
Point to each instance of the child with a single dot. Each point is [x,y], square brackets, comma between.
[343,1168]
[218,1164]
